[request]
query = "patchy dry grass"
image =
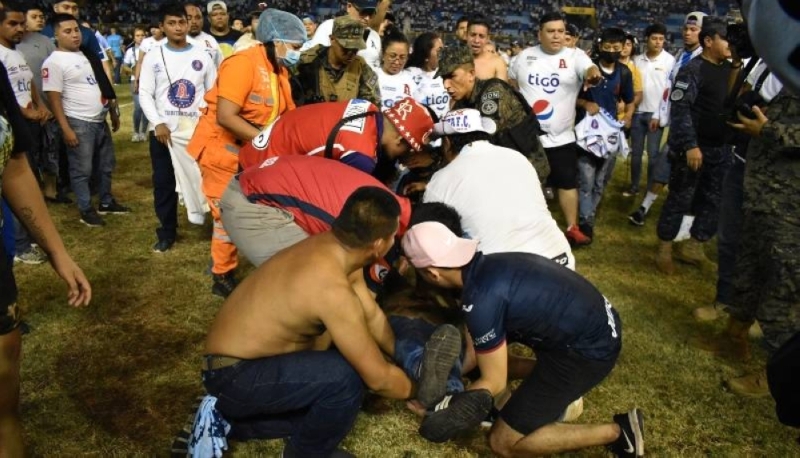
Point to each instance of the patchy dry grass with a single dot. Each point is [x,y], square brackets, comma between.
[118,378]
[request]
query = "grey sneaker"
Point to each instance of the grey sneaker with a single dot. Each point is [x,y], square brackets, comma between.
[32,256]
[441,353]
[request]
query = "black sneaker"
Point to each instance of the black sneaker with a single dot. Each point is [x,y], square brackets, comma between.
[92,219]
[224,284]
[162,246]
[441,352]
[456,414]
[630,442]
[113,208]
[637,218]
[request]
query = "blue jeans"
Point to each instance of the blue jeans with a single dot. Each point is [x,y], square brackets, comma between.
[640,131]
[411,335]
[93,138]
[591,184]
[139,120]
[729,230]
[311,397]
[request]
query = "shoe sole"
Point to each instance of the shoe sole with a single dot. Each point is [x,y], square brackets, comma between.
[635,222]
[106,212]
[441,352]
[636,419]
[464,413]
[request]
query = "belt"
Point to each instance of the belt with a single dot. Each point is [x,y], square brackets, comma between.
[214,362]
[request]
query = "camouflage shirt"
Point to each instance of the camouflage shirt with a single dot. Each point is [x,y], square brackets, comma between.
[322,83]
[772,178]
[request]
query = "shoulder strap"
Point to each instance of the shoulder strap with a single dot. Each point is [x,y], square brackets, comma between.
[338,126]
[761,79]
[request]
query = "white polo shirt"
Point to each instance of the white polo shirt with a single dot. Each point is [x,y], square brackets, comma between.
[19,74]
[498,195]
[551,84]
[655,79]
[70,73]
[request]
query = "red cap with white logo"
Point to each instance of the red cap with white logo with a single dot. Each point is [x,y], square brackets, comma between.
[412,121]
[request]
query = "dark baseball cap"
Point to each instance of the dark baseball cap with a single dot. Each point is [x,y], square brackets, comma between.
[364,6]
[573,31]
[451,57]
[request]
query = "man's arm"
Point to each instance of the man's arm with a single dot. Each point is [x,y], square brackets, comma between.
[70,138]
[501,69]
[138,71]
[683,137]
[343,316]
[380,14]
[494,370]
[147,100]
[23,195]
[377,322]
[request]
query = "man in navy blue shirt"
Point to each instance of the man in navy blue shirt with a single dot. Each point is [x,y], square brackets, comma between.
[525,298]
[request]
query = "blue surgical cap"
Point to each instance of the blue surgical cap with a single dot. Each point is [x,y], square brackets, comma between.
[277,25]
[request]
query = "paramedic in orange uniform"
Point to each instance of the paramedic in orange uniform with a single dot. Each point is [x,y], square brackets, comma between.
[251,91]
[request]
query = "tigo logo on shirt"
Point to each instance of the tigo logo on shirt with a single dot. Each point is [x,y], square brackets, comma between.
[549,84]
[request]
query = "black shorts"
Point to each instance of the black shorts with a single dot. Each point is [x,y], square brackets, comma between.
[9,318]
[563,166]
[558,378]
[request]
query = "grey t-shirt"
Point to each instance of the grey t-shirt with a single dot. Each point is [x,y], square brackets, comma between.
[35,47]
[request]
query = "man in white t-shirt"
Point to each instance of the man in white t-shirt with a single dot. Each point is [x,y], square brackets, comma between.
[495,190]
[199,38]
[174,78]
[80,109]
[155,39]
[360,10]
[550,76]
[654,65]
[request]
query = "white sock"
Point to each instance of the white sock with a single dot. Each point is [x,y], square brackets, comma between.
[648,200]
[684,233]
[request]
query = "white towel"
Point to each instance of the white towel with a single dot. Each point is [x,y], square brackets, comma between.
[209,432]
[188,181]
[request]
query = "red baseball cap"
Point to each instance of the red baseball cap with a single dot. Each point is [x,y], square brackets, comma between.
[412,121]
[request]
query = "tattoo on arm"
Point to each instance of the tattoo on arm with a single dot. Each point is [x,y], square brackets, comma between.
[28,219]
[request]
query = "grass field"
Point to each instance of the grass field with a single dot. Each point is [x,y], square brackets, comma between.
[118,378]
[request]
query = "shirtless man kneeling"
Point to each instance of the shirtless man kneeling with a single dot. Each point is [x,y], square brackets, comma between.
[268,357]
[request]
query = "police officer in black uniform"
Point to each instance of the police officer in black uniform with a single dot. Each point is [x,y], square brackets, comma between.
[697,142]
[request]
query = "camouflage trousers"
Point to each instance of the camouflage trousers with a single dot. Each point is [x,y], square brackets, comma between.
[695,193]
[767,279]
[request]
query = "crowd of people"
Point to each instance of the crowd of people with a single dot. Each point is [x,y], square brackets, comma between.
[416,202]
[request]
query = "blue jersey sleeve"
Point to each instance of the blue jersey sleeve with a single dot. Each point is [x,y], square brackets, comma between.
[485,318]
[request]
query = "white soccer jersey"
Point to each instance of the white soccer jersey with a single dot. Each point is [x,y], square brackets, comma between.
[550,84]
[130,58]
[371,54]
[149,43]
[430,91]
[394,87]
[601,135]
[172,84]
[70,73]
[19,74]
[499,197]
[210,44]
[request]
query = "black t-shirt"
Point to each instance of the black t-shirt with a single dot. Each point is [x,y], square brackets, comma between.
[226,41]
[14,139]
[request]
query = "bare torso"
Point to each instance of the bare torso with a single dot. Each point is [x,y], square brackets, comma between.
[488,66]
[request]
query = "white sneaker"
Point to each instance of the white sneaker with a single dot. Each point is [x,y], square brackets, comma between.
[684,233]
[135,138]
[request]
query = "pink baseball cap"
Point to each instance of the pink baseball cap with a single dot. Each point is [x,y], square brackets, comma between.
[432,244]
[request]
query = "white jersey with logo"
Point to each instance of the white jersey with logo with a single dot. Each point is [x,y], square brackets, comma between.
[601,135]
[499,197]
[430,91]
[149,43]
[550,84]
[210,44]
[371,54]
[664,107]
[172,84]
[71,74]
[19,74]
[769,87]
[130,59]
[394,87]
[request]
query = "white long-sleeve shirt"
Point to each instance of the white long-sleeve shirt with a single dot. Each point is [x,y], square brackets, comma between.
[172,84]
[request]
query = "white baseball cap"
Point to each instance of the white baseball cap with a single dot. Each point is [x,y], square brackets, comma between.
[215,4]
[464,121]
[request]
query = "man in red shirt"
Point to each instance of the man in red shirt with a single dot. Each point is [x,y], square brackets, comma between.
[286,199]
[307,130]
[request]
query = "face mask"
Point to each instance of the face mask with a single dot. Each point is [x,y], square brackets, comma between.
[609,56]
[291,58]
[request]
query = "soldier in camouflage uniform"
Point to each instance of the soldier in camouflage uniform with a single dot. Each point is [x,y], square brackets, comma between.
[767,278]
[336,73]
[517,127]
[698,153]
